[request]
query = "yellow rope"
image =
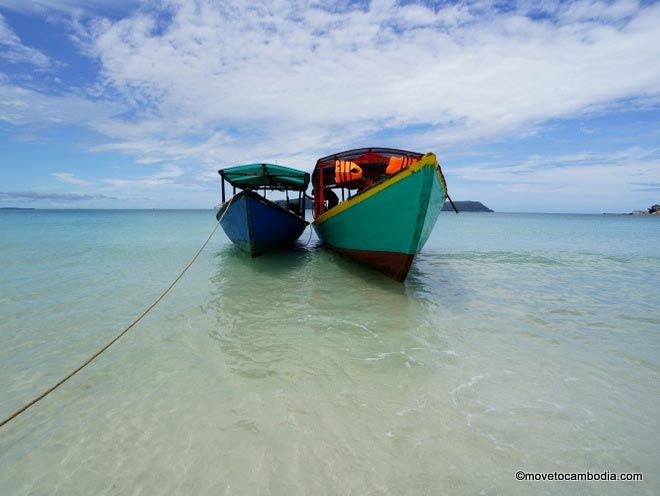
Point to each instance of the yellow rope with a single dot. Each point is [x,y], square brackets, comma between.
[124,331]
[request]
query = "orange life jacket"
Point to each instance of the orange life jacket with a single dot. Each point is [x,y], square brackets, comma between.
[399,163]
[346,171]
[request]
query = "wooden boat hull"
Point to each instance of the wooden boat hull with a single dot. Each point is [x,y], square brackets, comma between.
[386,225]
[257,225]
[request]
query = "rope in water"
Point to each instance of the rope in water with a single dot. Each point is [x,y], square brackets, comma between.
[310,234]
[124,331]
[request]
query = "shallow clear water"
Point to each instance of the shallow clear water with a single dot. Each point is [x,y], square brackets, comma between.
[518,342]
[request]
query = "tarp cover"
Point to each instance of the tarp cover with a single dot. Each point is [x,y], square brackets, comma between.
[257,176]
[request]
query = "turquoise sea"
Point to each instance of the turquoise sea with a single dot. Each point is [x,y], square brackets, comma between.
[519,342]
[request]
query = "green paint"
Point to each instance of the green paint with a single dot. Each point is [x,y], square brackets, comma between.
[256,176]
[397,219]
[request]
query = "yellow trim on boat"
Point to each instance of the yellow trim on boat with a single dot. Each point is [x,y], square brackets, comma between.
[441,178]
[427,160]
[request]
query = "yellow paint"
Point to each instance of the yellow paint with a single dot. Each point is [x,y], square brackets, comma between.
[427,160]
[441,178]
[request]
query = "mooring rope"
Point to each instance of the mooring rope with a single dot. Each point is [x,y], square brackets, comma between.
[124,331]
[310,234]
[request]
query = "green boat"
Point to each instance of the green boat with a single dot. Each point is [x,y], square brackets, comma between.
[390,201]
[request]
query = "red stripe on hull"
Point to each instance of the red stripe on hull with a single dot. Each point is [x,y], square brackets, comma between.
[395,265]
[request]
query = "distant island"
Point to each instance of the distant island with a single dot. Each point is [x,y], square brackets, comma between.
[16,208]
[652,210]
[466,206]
[308,203]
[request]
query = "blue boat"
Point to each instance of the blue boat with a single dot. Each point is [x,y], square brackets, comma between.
[254,223]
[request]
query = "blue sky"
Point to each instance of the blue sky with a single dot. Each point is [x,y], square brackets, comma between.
[530,106]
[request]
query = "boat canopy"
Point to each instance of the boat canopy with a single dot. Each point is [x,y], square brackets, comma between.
[271,176]
[371,162]
[355,170]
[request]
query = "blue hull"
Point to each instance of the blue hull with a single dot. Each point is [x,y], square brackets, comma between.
[257,225]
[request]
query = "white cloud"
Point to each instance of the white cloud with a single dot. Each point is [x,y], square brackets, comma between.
[167,176]
[54,198]
[587,10]
[67,177]
[19,105]
[298,78]
[584,181]
[214,83]
[12,50]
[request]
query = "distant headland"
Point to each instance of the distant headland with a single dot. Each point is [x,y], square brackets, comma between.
[652,210]
[467,206]
[308,203]
[17,208]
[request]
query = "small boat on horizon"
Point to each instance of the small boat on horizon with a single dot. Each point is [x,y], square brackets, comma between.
[390,201]
[251,221]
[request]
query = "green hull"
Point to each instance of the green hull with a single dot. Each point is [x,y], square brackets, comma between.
[386,227]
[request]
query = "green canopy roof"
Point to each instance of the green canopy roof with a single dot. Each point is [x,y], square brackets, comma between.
[257,176]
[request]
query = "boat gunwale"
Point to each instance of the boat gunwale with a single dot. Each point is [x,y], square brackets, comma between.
[265,201]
